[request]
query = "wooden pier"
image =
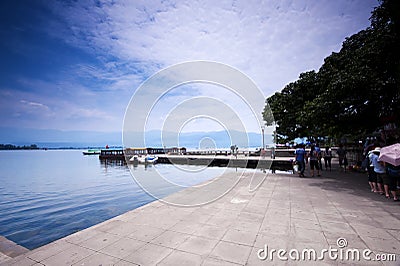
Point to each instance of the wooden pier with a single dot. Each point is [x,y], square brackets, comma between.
[244,160]
[282,163]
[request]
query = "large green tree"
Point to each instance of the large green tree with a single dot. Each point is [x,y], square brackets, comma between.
[355,91]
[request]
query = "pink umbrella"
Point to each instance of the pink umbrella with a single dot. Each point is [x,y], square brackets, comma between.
[391,154]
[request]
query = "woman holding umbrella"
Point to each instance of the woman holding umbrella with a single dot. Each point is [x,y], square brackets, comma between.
[393,173]
[390,155]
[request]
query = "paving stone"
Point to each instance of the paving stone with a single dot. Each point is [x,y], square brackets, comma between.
[197,216]
[146,233]
[148,255]
[98,259]
[246,225]
[187,227]
[19,261]
[211,231]
[49,250]
[304,224]
[82,236]
[11,249]
[198,245]
[4,258]
[331,217]
[123,247]
[231,252]
[382,245]
[272,241]
[181,258]
[338,228]
[303,234]
[118,227]
[100,241]
[170,239]
[217,262]
[69,256]
[240,237]
[372,231]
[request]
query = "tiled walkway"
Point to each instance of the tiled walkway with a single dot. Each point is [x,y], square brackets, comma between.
[286,212]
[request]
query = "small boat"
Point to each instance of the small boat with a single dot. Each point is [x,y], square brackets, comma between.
[147,159]
[91,152]
[134,159]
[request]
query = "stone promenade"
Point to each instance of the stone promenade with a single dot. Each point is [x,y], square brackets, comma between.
[286,212]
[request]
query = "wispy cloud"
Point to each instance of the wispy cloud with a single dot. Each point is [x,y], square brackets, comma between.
[35,105]
[118,44]
[272,41]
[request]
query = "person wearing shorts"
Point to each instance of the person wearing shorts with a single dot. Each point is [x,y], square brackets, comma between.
[390,180]
[300,158]
[314,160]
[379,169]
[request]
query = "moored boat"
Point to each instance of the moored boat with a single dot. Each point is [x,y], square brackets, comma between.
[91,152]
[147,159]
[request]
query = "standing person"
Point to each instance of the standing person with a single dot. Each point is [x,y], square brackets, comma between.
[314,160]
[300,158]
[393,173]
[379,169]
[342,156]
[328,158]
[371,174]
[319,152]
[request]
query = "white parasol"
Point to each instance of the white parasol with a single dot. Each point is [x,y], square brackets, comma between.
[390,154]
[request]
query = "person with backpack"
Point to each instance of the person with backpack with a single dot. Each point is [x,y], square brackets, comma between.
[314,160]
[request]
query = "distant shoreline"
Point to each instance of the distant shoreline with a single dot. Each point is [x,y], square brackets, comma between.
[15,147]
[11,147]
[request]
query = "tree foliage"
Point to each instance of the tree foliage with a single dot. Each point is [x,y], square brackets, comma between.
[353,92]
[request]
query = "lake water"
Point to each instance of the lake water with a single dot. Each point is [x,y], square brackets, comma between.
[46,195]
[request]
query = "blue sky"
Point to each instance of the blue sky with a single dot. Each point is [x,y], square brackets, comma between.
[69,65]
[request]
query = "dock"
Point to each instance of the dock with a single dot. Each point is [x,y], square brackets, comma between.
[264,163]
[221,159]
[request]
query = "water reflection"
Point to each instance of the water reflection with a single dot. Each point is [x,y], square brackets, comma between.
[107,162]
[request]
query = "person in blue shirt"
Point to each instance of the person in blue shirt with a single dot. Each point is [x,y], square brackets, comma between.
[300,158]
[379,169]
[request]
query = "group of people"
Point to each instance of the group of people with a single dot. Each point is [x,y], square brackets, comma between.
[383,178]
[315,156]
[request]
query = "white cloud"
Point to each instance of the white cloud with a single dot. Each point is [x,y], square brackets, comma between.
[271,41]
[35,105]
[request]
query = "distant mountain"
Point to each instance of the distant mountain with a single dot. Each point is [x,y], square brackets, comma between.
[57,138]
[83,139]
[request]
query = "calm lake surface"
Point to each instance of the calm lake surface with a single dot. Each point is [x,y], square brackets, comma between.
[46,195]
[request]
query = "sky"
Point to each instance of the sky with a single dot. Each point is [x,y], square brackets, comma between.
[74,65]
